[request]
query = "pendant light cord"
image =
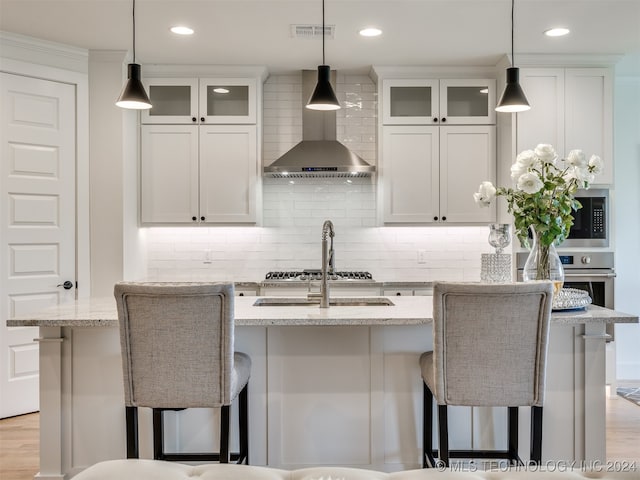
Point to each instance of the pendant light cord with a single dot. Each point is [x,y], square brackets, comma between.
[323,32]
[133,16]
[513,60]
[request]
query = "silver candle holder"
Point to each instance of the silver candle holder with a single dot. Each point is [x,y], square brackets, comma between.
[496,267]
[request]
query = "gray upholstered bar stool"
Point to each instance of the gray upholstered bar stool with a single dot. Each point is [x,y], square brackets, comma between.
[489,349]
[177,344]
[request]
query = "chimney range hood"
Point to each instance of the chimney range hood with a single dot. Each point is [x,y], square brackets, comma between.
[319,154]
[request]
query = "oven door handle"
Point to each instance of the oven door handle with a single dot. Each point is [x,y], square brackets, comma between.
[597,275]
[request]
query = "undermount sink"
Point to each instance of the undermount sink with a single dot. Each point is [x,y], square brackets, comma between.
[336,302]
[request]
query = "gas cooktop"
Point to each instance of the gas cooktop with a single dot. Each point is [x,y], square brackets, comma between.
[305,275]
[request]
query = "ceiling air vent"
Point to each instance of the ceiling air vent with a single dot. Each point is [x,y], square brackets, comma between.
[312,31]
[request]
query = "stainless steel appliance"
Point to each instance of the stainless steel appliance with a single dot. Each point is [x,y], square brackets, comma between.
[591,222]
[587,270]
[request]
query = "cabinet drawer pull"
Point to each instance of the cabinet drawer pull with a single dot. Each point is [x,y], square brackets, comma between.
[49,340]
[604,336]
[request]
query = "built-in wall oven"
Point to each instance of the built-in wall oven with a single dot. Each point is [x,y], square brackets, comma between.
[585,270]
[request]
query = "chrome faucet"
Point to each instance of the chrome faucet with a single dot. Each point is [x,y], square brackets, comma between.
[328,264]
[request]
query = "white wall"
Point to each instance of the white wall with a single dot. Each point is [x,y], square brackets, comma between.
[627,212]
[106,178]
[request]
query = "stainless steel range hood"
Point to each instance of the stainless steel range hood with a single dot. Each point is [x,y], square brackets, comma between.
[319,154]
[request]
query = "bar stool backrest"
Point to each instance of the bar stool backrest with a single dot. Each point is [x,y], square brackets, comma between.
[177,343]
[490,343]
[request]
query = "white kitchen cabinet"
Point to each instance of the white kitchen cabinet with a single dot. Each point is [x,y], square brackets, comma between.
[198,174]
[169,174]
[174,100]
[201,101]
[438,102]
[429,174]
[571,108]
[228,173]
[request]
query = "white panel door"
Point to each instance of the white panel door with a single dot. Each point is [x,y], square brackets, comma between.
[38,224]
[410,173]
[467,158]
[228,173]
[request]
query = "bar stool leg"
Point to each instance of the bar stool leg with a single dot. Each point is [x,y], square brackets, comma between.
[443,432]
[224,434]
[536,435]
[427,427]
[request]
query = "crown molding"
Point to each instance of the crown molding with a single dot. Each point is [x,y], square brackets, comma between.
[566,60]
[34,50]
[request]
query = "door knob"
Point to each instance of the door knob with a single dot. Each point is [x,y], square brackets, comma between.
[68,285]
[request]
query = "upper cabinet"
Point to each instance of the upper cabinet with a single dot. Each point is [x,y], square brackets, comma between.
[199,148]
[438,102]
[201,101]
[571,108]
[429,174]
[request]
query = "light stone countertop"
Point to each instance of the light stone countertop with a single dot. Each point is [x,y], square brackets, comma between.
[407,310]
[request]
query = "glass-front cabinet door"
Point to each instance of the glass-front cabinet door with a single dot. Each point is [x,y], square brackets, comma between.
[467,102]
[410,102]
[174,100]
[227,100]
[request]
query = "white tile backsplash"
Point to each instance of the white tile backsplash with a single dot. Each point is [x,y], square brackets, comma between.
[293,213]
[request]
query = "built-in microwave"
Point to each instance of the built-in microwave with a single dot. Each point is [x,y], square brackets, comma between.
[591,222]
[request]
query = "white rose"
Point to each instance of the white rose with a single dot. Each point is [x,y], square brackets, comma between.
[526,159]
[530,183]
[517,169]
[577,158]
[583,174]
[485,194]
[596,165]
[545,153]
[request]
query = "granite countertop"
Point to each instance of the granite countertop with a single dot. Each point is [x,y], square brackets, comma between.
[407,310]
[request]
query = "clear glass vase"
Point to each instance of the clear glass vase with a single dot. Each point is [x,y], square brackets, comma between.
[543,263]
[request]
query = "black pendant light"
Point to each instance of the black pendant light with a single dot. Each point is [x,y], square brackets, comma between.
[323,96]
[133,95]
[513,98]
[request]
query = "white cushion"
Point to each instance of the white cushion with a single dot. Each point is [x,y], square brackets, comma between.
[159,470]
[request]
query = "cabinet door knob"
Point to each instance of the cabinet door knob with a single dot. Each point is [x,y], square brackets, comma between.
[435,119]
[444,119]
[435,218]
[194,119]
[202,219]
[398,294]
[194,218]
[241,294]
[202,119]
[444,219]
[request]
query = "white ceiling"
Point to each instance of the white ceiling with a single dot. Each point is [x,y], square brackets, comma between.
[257,32]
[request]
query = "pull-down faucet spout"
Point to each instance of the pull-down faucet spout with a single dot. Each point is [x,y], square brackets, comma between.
[328,263]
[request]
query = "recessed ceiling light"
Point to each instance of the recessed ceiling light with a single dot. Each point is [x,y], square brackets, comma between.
[221,90]
[370,32]
[557,32]
[182,30]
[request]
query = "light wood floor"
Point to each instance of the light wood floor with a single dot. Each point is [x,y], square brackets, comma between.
[19,444]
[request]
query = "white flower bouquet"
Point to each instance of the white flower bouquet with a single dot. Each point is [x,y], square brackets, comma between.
[544,196]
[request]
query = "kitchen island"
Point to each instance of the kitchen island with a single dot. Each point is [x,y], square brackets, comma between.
[337,386]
